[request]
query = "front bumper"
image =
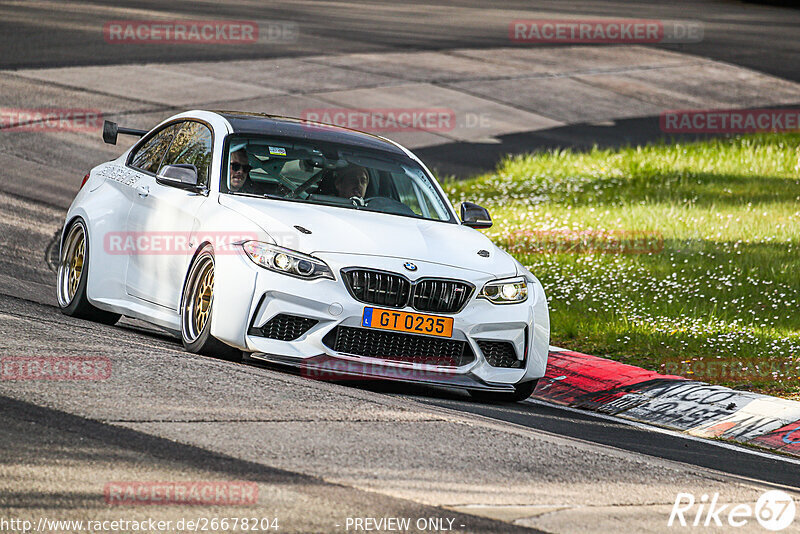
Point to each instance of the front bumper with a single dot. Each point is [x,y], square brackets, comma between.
[247,297]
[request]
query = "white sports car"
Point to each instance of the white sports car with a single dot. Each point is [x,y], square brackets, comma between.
[305,244]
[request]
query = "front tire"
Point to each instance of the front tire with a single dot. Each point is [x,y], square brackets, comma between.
[197,304]
[521,392]
[73,276]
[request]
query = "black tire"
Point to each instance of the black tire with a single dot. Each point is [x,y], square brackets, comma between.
[197,302]
[73,276]
[521,392]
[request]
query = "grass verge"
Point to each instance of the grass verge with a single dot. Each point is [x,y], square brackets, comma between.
[680,258]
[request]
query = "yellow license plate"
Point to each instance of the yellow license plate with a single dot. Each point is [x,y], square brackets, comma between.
[399,321]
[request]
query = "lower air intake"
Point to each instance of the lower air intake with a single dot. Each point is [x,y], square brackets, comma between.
[283,327]
[500,354]
[400,347]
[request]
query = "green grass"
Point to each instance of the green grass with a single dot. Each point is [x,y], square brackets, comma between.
[725,287]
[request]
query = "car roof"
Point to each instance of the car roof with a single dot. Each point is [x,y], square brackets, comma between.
[260,123]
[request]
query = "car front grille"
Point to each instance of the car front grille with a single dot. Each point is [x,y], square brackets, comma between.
[500,354]
[396,291]
[376,287]
[439,296]
[283,327]
[398,346]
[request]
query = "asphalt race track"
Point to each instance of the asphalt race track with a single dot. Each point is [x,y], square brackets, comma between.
[55,34]
[323,452]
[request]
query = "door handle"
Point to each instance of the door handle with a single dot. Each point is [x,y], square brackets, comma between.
[143,190]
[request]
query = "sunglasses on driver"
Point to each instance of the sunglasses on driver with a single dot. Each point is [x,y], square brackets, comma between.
[236,167]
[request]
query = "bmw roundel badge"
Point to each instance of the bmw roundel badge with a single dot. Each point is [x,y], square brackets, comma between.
[410,266]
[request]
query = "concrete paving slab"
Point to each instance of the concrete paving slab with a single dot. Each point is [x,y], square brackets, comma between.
[643,91]
[719,85]
[150,83]
[494,95]
[471,118]
[476,64]
[424,66]
[565,100]
[283,105]
[291,75]
[571,60]
[23,92]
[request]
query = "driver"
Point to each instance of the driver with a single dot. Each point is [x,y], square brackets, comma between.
[240,171]
[351,182]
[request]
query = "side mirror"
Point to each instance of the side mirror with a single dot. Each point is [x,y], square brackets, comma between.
[183,176]
[475,216]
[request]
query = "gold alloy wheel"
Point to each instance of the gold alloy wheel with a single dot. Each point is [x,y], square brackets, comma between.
[202,305]
[70,267]
[199,297]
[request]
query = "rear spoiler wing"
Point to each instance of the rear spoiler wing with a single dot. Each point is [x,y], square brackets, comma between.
[111,130]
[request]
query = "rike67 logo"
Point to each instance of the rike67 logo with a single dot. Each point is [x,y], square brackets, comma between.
[775,510]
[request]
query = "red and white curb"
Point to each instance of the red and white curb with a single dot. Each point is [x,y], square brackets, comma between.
[696,408]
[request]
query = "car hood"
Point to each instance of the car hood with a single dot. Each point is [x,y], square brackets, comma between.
[350,231]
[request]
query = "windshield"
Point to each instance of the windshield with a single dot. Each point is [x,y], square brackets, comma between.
[331,174]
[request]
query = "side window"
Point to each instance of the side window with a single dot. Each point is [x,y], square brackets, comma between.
[192,145]
[148,156]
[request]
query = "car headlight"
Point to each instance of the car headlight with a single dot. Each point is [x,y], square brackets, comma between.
[505,291]
[286,261]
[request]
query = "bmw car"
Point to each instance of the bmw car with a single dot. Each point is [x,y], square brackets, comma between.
[302,244]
